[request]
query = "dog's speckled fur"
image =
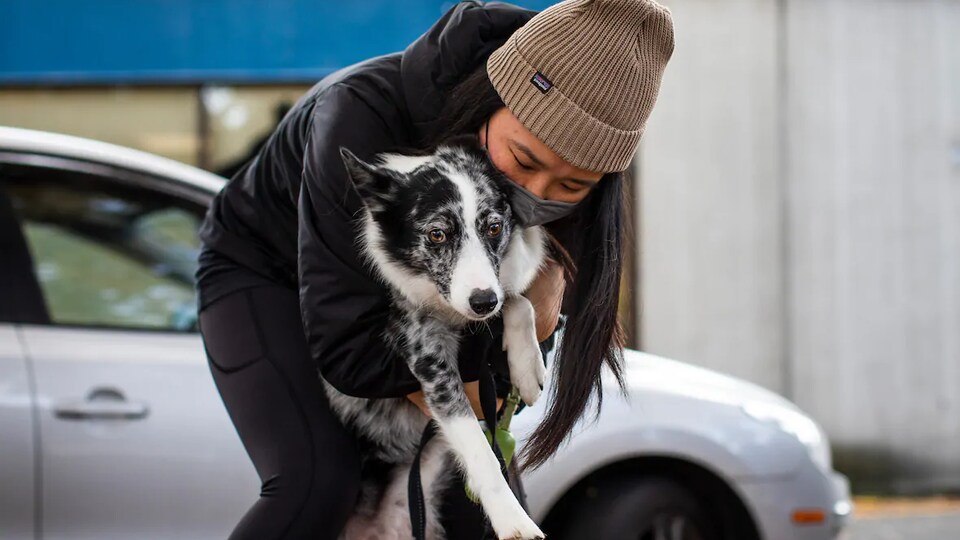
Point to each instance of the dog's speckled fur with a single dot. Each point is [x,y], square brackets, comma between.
[407,200]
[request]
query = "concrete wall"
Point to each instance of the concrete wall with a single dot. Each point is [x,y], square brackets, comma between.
[800,218]
[709,214]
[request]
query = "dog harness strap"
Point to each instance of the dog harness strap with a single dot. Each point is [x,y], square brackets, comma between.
[418,513]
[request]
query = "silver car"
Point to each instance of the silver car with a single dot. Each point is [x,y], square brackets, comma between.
[111,427]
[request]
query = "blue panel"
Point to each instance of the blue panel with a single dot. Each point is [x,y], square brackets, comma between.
[179,41]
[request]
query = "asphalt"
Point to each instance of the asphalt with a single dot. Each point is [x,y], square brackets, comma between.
[905,519]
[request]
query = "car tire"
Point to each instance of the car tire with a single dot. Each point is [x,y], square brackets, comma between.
[639,509]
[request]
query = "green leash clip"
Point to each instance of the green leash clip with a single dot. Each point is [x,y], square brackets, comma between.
[505,440]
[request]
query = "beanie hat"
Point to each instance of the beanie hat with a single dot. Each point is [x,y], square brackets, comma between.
[583,76]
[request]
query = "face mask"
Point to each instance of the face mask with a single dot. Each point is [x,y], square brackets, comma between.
[529,209]
[532,210]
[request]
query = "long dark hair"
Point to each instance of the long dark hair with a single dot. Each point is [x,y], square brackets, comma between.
[594,236]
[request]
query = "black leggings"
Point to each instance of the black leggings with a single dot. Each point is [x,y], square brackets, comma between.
[306,460]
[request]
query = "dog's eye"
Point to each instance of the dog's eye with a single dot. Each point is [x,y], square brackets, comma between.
[495,228]
[437,236]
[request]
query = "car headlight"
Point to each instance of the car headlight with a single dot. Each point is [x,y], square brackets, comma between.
[797,424]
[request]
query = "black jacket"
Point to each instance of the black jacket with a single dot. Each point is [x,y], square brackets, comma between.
[289,215]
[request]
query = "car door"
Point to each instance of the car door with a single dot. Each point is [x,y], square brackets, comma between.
[135,442]
[17,433]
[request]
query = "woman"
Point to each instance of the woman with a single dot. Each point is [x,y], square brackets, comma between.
[559,99]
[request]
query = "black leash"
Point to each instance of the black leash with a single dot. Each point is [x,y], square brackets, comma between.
[488,404]
[418,511]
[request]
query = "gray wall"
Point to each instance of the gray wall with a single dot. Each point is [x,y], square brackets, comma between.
[800,219]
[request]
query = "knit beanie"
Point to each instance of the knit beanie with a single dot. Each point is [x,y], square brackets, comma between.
[583,76]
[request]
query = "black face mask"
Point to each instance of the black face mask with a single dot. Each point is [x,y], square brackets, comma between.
[530,209]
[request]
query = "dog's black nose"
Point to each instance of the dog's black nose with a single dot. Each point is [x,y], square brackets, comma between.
[483,301]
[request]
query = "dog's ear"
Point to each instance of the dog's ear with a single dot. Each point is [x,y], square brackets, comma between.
[373,184]
[359,170]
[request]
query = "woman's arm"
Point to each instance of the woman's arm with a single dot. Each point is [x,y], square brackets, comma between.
[472,390]
[546,295]
[344,309]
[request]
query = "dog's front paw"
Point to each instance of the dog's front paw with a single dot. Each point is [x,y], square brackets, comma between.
[527,371]
[529,382]
[533,533]
[510,522]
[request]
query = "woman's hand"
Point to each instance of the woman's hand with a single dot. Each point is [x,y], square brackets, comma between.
[472,390]
[546,295]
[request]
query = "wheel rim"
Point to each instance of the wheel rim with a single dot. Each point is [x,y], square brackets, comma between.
[673,527]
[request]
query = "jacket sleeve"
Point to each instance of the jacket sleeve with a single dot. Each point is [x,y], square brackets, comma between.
[344,307]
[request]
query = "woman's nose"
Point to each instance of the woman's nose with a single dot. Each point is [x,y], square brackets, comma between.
[536,184]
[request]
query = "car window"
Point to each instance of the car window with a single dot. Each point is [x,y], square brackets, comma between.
[107,253]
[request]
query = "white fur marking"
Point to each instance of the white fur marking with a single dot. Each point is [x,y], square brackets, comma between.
[404,164]
[525,255]
[473,269]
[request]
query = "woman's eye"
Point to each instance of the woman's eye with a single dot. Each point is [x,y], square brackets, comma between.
[437,236]
[494,229]
[572,188]
[522,164]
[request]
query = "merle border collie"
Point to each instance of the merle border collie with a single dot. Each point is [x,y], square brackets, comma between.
[438,231]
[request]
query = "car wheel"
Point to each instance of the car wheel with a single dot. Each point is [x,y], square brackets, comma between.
[639,509]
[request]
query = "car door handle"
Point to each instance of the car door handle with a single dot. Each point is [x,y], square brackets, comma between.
[102,404]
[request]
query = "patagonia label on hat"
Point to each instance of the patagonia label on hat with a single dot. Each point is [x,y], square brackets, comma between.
[541,82]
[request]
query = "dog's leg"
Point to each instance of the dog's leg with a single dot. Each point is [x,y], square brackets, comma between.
[432,357]
[527,371]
